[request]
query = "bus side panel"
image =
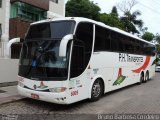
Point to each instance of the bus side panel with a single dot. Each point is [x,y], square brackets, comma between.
[118,69]
[116,73]
[78,87]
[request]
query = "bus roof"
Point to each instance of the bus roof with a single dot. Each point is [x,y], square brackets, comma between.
[81,19]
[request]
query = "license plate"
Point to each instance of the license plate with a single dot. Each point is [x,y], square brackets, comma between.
[34,96]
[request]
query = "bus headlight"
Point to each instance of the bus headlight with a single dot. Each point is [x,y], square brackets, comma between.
[20,84]
[58,89]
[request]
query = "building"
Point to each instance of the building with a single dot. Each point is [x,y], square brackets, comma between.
[4,25]
[16,16]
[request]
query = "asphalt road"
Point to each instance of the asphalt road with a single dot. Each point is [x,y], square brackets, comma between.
[135,99]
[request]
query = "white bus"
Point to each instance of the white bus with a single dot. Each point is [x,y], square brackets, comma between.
[71,59]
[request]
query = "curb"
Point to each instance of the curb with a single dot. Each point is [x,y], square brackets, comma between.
[9,99]
[6,84]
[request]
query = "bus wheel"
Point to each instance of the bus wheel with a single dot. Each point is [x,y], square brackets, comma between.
[147,76]
[142,79]
[97,90]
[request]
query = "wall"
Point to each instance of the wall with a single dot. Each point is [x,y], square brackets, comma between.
[4,19]
[8,70]
[18,27]
[44,4]
[57,9]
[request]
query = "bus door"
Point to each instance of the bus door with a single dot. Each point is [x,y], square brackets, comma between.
[77,68]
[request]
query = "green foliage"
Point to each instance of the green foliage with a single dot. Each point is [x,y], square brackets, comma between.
[157,38]
[111,20]
[114,12]
[158,48]
[157,60]
[148,36]
[130,21]
[88,9]
[82,8]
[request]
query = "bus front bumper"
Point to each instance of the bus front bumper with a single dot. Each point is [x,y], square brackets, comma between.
[59,98]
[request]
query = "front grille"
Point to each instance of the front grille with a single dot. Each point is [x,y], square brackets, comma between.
[47,90]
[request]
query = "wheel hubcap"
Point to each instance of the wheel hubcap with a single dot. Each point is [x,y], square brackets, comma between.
[96,89]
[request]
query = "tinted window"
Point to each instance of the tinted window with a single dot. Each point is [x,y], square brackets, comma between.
[51,30]
[82,48]
[39,31]
[149,49]
[128,45]
[108,40]
[114,41]
[40,59]
[60,29]
[78,59]
[102,39]
[121,43]
[137,47]
[84,33]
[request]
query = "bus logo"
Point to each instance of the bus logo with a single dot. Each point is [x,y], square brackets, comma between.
[144,66]
[42,86]
[120,78]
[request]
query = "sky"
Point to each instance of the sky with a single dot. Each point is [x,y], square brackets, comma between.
[150,10]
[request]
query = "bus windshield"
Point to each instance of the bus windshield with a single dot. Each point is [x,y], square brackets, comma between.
[39,59]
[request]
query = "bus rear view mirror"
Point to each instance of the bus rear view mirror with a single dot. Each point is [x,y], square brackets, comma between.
[63,45]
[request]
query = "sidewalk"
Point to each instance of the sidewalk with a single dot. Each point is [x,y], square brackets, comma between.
[9,94]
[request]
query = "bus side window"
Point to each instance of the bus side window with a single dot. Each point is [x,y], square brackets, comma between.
[129,45]
[84,34]
[78,58]
[121,43]
[114,41]
[99,39]
[102,39]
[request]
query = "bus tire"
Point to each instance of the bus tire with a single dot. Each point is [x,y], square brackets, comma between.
[147,76]
[141,79]
[97,90]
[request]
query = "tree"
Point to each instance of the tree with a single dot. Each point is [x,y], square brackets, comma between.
[158,49]
[114,11]
[157,38]
[126,5]
[82,8]
[112,19]
[129,19]
[148,36]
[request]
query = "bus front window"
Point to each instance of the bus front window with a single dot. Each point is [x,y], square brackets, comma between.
[40,58]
